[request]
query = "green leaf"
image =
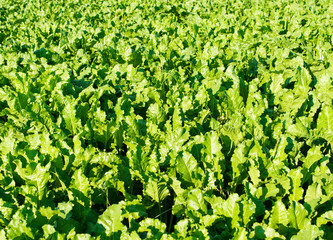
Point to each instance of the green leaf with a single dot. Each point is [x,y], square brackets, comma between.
[80,188]
[175,139]
[153,227]
[279,215]
[158,191]
[231,209]
[313,195]
[196,201]
[156,113]
[18,227]
[186,166]
[212,145]
[309,232]
[325,218]
[69,114]
[298,215]
[248,211]
[111,220]
[325,123]
[254,172]
[313,155]
[48,230]
[214,155]
[299,129]
[241,234]
[296,180]
[238,162]
[182,227]
[262,231]
[36,175]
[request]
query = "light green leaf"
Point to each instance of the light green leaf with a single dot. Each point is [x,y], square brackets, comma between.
[196,201]
[156,113]
[296,180]
[18,227]
[325,123]
[231,208]
[176,118]
[254,172]
[212,145]
[249,209]
[262,231]
[182,227]
[48,230]
[69,114]
[214,155]
[313,195]
[272,190]
[309,232]
[299,129]
[153,227]
[80,188]
[298,215]
[36,175]
[176,138]
[314,155]
[241,234]
[186,166]
[111,219]
[325,218]
[279,215]
[158,191]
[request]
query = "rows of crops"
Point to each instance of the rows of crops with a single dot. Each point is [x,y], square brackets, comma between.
[166,119]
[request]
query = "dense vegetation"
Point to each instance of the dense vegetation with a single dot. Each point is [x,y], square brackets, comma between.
[166,119]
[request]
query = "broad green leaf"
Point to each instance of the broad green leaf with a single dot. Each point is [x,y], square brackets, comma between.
[309,232]
[231,209]
[262,231]
[158,191]
[214,155]
[80,189]
[18,226]
[299,129]
[313,195]
[254,172]
[153,227]
[238,160]
[212,145]
[241,234]
[111,220]
[298,216]
[325,123]
[272,190]
[279,215]
[176,138]
[217,204]
[82,236]
[314,155]
[132,235]
[196,201]
[176,119]
[186,166]
[36,175]
[134,209]
[248,211]
[296,180]
[325,218]
[69,114]
[156,113]
[182,227]
[7,144]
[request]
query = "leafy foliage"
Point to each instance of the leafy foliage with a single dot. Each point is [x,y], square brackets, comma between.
[166,119]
